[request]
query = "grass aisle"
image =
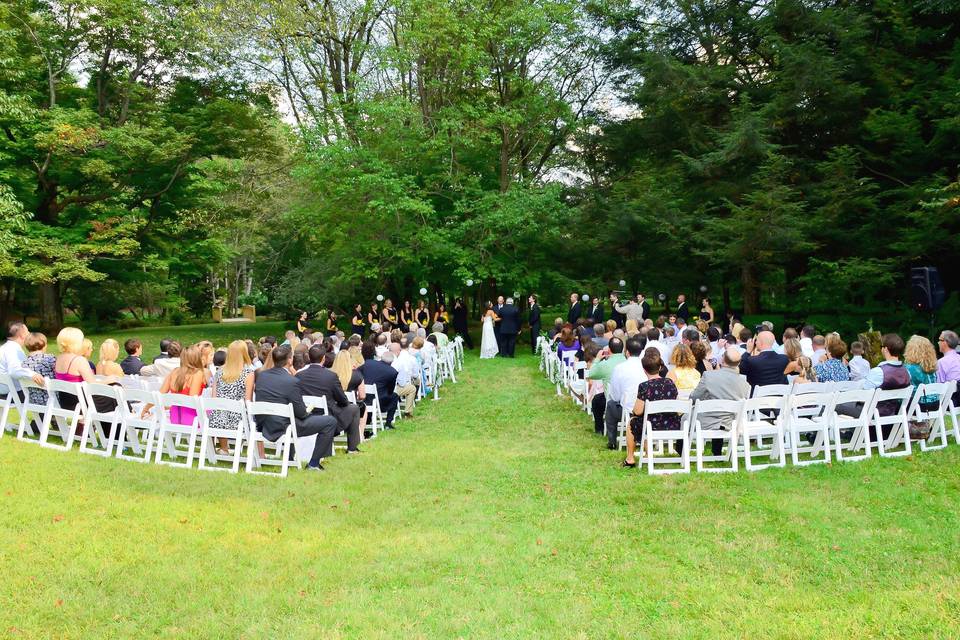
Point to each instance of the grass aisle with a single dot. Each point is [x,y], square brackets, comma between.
[495,513]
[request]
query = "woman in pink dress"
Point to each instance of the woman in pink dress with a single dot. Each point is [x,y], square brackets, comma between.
[189,379]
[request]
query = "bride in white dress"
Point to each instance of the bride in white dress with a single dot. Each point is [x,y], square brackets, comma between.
[488,344]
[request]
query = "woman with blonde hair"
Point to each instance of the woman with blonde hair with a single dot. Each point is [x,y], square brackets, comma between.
[920,359]
[684,372]
[793,351]
[87,352]
[71,365]
[189,379]
[109,352]
[631,327]
[232,381]
[805,372]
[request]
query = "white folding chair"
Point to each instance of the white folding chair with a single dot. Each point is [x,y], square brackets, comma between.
[716,409]
[376,419]
[768,390]
[31,413]
[807,388]
[209,457]
[848,385]
[66,420]
[938,415]
[95,438]
[166,443]
[808,413]
[953,410]
[763,417]
[306,443]
[284,444]
[650,436]
[138,434]
[857,426]
[897,442]
[8,404]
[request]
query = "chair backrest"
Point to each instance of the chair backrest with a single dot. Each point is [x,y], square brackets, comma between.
[351,396]
[168,400]
[811,404]
[768,390]
[271,409]
[132,395]
[855,396]
[97,389]
[132,382]
[902,395]
[727,407]
[943,391]
[763,403]
[58,387]
[848,385]
[667,406]
[27,384]
[237,407]
[807,388]
[316,402]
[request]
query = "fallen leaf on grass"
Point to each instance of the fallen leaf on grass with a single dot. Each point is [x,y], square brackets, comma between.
[59,602]
[539,541]
[182,521]
[58,518]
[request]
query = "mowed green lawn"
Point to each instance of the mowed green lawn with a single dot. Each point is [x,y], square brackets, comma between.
[495,513]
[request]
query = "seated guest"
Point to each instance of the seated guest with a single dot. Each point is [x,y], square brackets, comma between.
[611,326]
[442,339]
[805,372]
[819,349]
[791,349]
[266,361]
[762,365]
[351,380]
[408,375]
[599,338]
[278,386]
[411,333]
[724,383]
[652,389]
[554,333]
[188,379]
[164,366]
[743,337]
[40,362]
[859,367]
[233,381]
[319,379]
[622,390]
[300,357]
[71,366]
[713,338]
[833,368]
[568,342]
[381,347]
[12,357]
[806,340]
[87,352]
[920,359]
[220,357]
[653,341]
[383,377]
[164,349]
[632,328]
[132,364]
[948,368]
[889,374]
[601,370]
[702,356]
[684,372]
[109,351]
[288,337]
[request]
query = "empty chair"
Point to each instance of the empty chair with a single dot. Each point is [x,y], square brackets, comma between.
[763,417]
[936,414]
[103,418]
[234,413]
[889,421]
[138,432]
[806,414]
[64,413]
[284,444]
[179,416]
[707,418]
[681,435]
[851,433]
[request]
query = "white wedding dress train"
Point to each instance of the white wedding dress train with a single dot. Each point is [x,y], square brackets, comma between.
[488,343]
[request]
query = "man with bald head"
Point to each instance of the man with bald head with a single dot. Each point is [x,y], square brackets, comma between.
[761,364]
[724,383]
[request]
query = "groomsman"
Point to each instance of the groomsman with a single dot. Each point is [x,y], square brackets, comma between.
[509,328]
[615,315]
[596,311]
[574,313]
[534,322]
[682,310]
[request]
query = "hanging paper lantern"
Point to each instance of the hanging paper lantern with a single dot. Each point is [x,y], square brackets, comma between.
[623,283]
[379,297]
[423,291]
[469,283]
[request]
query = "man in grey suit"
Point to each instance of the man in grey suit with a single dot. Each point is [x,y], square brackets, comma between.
[725,383]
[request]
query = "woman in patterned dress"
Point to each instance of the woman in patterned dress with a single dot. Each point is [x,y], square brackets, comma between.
[654,388]
[233,381]
[39,361]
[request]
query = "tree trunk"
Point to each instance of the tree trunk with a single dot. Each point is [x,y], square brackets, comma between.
[51,307]
[751,289]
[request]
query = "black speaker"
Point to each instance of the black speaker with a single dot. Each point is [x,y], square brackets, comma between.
[926,289]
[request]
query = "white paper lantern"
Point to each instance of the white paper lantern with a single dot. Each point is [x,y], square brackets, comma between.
[379,297]
[703,288]
[516,294]
[662,297]
[469,283]
[623,283]
[423,291]
[585,297]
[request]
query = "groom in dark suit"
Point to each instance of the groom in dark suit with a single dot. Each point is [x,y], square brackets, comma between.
[574,313]
[534,322]
[497,308]
[509,328]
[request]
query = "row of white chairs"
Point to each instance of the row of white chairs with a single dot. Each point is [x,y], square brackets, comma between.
[807,421]
[124,432]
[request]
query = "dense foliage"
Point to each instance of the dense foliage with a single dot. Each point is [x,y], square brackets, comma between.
[160,158]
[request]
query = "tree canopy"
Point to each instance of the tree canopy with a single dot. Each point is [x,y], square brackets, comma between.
[163,157]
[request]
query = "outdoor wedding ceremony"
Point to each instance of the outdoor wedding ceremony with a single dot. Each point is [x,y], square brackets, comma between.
[461,319]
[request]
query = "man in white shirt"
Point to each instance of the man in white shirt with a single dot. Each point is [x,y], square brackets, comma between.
[406,365]
[624,381]
[806,341]
[12,357]
[653,340]
[164,366]
[382,347]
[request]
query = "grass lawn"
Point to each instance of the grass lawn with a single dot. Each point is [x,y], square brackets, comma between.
[495,513]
